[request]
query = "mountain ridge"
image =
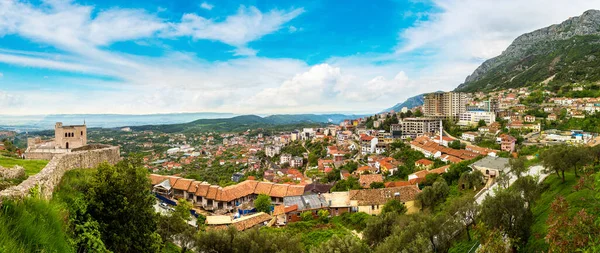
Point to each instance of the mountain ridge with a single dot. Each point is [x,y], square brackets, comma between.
[552,48]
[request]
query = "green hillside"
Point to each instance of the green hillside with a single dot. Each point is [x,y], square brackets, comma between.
[576,60]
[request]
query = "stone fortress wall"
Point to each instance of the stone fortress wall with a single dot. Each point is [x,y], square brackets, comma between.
[44,182]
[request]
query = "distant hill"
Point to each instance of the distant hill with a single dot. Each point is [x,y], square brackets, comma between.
[244,122]
[411,102]
[564,53]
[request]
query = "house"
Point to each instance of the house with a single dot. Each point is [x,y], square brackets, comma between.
[420,175]
[552,117]
[529,118]
[339,202]
[424,164]
[492,166]
[285,158]
[214,197]
[507,143]
[281,213]
[396,184]
[365,169]
[311,203]
[371,201]
[297,162]
[366,180]
[221,222]
[469,136]
[317,188]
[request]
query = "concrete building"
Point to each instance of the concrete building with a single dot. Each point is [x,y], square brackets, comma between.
[445,104]
[272,151]
[471,118]
[413,127]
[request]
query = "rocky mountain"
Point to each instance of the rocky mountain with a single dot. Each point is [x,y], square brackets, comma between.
[409,103]
[563,53]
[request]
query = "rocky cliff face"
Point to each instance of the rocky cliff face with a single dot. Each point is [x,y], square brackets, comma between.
[528,44]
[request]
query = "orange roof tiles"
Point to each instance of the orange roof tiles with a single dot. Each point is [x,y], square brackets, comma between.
[202,190]
[295,190]
[156,179]
[263,188]
[279,190]
[183,184]
[424,162]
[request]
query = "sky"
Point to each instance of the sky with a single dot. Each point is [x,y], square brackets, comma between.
[250,56]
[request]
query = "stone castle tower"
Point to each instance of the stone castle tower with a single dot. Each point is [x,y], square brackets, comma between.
[70,137]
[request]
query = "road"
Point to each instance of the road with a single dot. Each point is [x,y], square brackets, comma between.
[536,170]
[459,139]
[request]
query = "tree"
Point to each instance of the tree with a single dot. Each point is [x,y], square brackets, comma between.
[529,188]
[323,215]
[507,212]
[347,184]
[307,216]
[517,166]
[421,233]
[394,206]
[345,244]
[481,123]
[455,144]
[434,195]
[120,201]
[380,227]
[262,203]
[555,158]
[471,180]
[568,233]
[377,185]
[174,226]
[465,210]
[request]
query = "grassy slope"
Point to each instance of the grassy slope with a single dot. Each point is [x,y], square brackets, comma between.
[32,225]
[577,200]
[31,166]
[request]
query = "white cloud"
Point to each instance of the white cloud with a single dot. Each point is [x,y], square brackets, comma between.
[481,29]
[206,6]
[9,100]
[456,38]
[247,25]
[1,75]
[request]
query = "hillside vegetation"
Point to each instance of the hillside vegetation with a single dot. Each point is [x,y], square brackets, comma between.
[245,122]
[559,54]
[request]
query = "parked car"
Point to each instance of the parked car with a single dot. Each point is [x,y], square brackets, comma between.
[163,205]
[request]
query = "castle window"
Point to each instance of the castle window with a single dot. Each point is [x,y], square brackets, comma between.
[81,133]
[66,135]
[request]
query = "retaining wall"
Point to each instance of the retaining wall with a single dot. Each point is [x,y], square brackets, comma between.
[43,183]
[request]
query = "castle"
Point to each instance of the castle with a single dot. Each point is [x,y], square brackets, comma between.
[66,138]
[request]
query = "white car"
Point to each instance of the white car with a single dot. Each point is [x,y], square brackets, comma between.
[164,205]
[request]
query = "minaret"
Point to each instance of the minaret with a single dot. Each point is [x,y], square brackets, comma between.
[441,131]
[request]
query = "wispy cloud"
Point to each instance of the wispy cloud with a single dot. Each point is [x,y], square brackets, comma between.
[206,6]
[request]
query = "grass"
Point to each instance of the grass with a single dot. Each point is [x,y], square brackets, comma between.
[311,233]
[32,225]
[577,200]
[32,167]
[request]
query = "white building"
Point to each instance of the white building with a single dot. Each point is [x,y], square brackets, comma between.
[473,117]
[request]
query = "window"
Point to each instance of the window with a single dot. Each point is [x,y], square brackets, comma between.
[81,133]
[66,135]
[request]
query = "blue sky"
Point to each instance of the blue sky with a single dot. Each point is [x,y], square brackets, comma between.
[138,57]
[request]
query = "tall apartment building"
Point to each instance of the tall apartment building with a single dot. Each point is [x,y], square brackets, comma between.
[445,104]
[413,127]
